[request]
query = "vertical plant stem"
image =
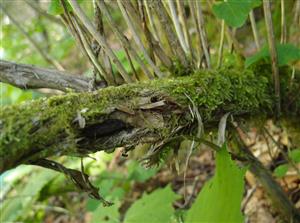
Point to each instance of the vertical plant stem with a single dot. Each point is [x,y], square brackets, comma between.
[174,17]
[273,53]
[150,46]
[183,20]
[296,19]
[167,29]
[34,5]
[124,41]
[283,36]
[101,40]
[91,54]
[220,51]
[203,36]
[193,14]
[160,53]
[80,37]
[97,48]
[254,29]
[138,40]
[150,18]
[131,64]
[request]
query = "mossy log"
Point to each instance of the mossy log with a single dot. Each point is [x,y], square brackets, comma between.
[77,124]
[82,123]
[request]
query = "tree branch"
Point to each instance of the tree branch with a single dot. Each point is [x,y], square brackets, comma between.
[31,77]
[152,112]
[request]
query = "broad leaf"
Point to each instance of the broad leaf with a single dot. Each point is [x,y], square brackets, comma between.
[235,12]
[220,199]
[106,214]
[139,173]
[295,155]
[13,208]
[281,170]
[155,207]
[286,53]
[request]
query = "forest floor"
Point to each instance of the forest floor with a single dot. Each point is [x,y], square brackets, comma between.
[256,206]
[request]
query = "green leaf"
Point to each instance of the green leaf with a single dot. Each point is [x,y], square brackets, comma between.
[235,12]
[139,173]
[106,214]
[12,209]
[220,199]
[281,170]
[55,7]
[286,53]
[155,207]
[295,155]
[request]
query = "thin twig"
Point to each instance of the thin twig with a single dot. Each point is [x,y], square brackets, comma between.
[296,19]
[81,38]
[91,54]
[273,53]
[274,190]
[46,57]
[97,48]
[101,40]
[159,51]
[203,36]
[151,21]
[285,156]
[174,17]
[183,19]
[131,63]
[168,31]
[283,36]
[248,197]
[220,51]
[193,14]
[146,30]
[124,41]
[138,40]
[254,29]
[34,5]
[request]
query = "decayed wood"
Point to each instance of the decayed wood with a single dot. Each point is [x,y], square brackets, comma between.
[152,112]
[155,112]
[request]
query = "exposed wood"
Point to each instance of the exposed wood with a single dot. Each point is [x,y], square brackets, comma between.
[152,112]
[31,77]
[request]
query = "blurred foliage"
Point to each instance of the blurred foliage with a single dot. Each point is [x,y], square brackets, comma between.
[55,7]
[13,95]
[287,53]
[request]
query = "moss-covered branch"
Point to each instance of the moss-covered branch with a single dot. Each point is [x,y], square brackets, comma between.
[78,124]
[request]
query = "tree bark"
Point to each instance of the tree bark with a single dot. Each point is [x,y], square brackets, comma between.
[155,112]
[152,112]
[30,77]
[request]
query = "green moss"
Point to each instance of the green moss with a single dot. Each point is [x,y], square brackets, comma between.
[33,126]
